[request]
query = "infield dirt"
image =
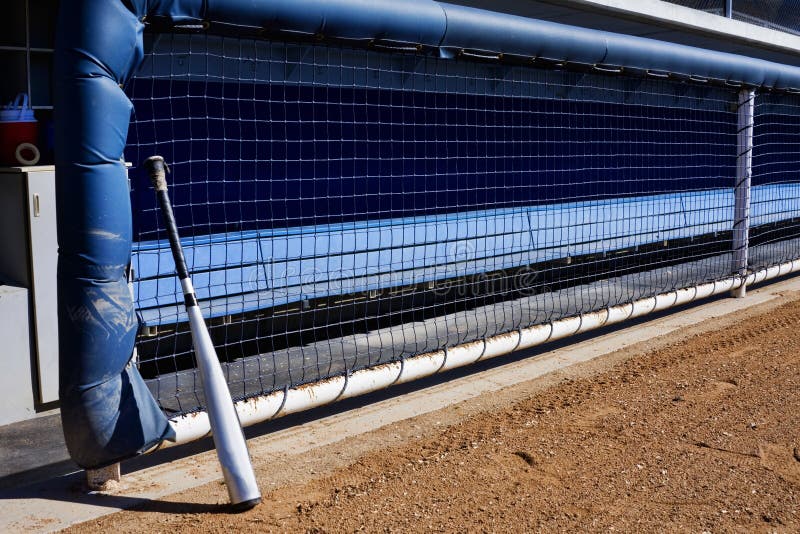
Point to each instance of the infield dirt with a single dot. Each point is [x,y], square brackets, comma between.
[696,434]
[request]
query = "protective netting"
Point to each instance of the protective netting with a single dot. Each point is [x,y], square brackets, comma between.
[775,217]
[344,207]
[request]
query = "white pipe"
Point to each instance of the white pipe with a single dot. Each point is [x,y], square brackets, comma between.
[363,381]
[535,335]
[310,396]
[194,426]
[257,409]
[620,313]
[566,327]
[462,355]
[421,366]
[501,344]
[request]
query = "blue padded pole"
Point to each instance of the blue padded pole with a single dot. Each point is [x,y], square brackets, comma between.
[107,412]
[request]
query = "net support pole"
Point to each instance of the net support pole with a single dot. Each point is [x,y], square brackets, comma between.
[744,171]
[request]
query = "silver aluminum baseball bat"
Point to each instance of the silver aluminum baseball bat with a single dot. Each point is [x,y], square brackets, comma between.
[225,427]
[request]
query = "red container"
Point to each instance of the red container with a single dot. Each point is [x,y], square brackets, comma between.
[18,126]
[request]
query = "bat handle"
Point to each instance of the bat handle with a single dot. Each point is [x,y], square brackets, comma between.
[157,169]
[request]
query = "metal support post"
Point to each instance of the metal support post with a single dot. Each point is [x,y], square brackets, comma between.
[744,170]
[104,478]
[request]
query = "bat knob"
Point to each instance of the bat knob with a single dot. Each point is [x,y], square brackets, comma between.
[157,169]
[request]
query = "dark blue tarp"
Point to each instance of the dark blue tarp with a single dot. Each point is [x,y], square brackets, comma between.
[384,141]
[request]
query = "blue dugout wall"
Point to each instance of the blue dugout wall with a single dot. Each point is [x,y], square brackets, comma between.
[107,412]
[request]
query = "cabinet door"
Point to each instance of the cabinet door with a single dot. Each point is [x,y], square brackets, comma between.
[44,258]
[14,239]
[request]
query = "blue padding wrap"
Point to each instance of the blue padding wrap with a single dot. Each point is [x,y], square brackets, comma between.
[477,29]
[106,410]
[408,21]
[411,21]
[453,27]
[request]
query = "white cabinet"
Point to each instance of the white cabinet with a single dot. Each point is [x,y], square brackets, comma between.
[28,259]
[16,381]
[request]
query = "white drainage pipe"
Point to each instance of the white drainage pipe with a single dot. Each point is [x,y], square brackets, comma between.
[194,426]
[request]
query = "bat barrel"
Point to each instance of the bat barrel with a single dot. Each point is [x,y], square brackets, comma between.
[225,426]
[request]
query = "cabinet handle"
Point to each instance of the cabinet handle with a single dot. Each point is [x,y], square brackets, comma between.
[36,204]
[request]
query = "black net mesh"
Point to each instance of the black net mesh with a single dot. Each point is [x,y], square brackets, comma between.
[344,207]
[775,201]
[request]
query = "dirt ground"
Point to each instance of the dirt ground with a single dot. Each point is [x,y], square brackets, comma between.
[699,434]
